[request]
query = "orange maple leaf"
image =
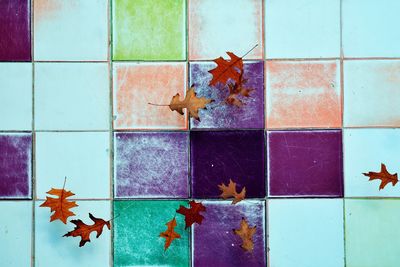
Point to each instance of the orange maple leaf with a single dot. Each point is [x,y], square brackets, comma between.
[230,191]
[226,70]
[192,215]
[170,233]
[384,176]
[83,230]
[246,234]
[60,205]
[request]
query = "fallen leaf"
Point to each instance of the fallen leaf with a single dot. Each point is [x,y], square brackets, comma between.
[226,70]
[236,90]
[384,176]
[192,215]
[170,233]
[230,191]
[60,205]
[246,234]
[191,103]
[83,230]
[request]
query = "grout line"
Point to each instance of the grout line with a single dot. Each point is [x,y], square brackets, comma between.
[33,152]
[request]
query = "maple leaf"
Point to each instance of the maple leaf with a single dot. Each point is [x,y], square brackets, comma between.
[83,230]
[384,176]
[226,70]
[246,234]
[237,89]
[170,233]
[230,191]
[192,215]
[60,205]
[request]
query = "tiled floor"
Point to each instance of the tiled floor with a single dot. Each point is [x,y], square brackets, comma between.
[76,78]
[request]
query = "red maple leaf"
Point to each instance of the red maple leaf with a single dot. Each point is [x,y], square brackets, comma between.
[192,215]
[226,70]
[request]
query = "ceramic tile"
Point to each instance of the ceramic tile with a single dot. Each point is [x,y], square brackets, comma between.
[303,94]
[305,163]
[151,164]
[149,30]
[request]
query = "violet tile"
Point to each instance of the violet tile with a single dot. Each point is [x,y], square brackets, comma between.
[217,156]
[215,244]
[151,164]
[305,163]
[15,33]
[219,114]
[15,165]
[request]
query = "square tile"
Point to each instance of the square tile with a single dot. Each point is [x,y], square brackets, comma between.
[219,156]
[16,233]
[137,230]
[72,96]
[370,28]
[364,151]
[82,157]
[138,84]
[217,26]
[371,236]
[302,28]
[149,29]
[52,249]
[16,96]
[305,163]
[220,114]
[71,30]
[214,243]
[303,94]
[371,93]
[306,232]
[150,165]
[15,30]
[15,165]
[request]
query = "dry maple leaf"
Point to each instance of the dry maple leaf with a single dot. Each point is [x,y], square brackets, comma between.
[230,191]
[226,70]
[246,234]
[60,205]
[236,90]
[83,230]
[192,215]
[384,176]
[170,233]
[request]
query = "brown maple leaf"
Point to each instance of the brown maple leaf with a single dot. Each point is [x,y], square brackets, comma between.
[384,176]
[236,90]
[230,191]
[83,230]
[60,205]
[170,233]
[246,234]
[226,70]
[192,215]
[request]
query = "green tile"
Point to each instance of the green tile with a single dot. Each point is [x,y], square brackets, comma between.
[149,30]
[372,233]
[136,234]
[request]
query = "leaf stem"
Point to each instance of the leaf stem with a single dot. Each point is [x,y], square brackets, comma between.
[248,52]
[158,105]
[65,180]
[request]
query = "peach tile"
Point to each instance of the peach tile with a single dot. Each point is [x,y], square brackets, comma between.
[137,84]
[303,94]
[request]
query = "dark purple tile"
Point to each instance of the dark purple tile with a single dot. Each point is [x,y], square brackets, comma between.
[305,163]
[217,156]
[151,164]
[15,33]
[15,165]
[222,115]
[216,245]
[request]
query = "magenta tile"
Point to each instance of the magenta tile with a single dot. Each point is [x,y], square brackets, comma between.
[216,245]
[222,115]
[15,165]
[15,33]
[305,163]
[151,164]
[217,156]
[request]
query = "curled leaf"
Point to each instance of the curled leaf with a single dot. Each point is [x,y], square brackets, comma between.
[230,191]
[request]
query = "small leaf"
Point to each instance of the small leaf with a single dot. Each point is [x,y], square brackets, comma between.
[170,233]
[60,205]
[384,176]
[246,234]
[230,191]
[192,215]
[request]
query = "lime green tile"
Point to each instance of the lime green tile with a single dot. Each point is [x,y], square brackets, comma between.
[372,233]
[149,30]
[136,234]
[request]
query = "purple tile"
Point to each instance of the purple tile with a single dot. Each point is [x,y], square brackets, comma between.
[15,165]
[222,115]
[217,156]
[15,33]
[305,163]
[216,245]
[151,164]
